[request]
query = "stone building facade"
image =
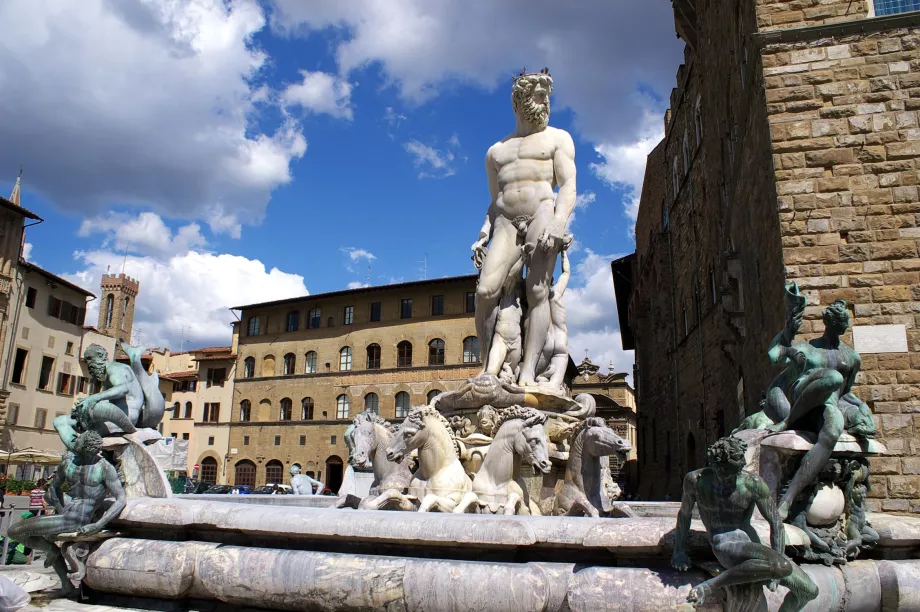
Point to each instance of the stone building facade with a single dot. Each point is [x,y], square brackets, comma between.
[116,311]
[306,366]
[790,153]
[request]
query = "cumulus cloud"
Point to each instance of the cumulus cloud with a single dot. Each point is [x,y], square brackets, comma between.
[426,47]
[591,314]
[320,92]
[27,251]
[357,285]
[356,254]
[188,295]
[149,103]
[144,233]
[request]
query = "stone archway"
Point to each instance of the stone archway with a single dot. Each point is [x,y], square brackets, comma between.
[208,470]
[244,473]
[334,473]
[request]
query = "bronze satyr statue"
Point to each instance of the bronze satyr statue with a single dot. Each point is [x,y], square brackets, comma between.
[90,479]
[727,495]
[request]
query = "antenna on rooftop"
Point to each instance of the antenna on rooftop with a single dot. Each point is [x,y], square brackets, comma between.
[368,271]
[425,267]
[125,262]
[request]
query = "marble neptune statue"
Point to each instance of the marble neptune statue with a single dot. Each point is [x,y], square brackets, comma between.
[302,484]
[525,223]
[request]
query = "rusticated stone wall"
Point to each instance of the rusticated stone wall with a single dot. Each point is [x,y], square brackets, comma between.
[843,116]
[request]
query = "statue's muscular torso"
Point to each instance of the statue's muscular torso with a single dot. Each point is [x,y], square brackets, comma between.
[727,508]
[524,171]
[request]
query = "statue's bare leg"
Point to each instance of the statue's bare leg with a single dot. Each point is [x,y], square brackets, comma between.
[538,284]
[512,504]
[39,533]
[435,503]
[108,412]
[816,458]
[466,503]
[819,388]
[504,252]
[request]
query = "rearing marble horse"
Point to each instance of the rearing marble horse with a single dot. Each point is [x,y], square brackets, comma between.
[497,486]
[371,437]
[582,492]
[440,481]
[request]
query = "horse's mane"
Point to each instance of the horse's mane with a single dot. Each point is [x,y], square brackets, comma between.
[585,426]
[519,412]
[375,419]
[418,414]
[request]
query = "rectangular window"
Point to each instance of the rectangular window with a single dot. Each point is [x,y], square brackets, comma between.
[210,440]
[19,366]
[471,301]
[332,440]
[31,295]
[892,7]
[81,384]
[211,413]
[314,318]
[51,342]
[65,384]
[185,436]
[277,440]
[245,440]
[54,307]
[69,349]
[437,305]
[216,377]
[175,435]
[349,315]
[303,440]
[375,311]
[12,414]
[41,415]
[25,333]
[405,309]
[44,377]
[254,326]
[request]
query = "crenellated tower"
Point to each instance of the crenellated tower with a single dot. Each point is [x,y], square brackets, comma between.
[116,310]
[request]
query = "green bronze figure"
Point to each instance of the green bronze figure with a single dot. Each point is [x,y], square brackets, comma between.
[727,495]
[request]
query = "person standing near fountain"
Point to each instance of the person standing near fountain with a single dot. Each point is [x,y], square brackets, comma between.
[302,484]
[523,168]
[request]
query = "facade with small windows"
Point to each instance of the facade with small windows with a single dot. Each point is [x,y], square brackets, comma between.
[46,371]
[310,364]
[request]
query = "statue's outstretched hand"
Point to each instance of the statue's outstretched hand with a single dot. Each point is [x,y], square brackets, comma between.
[553,236]
[680,561]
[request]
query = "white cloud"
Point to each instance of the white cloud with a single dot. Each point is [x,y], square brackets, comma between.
[145,233]
[357,285]
[432,162]
[320,92]
[591,314]
[393,118]
[188,295]
[356,254]
[27,251]
[150,103]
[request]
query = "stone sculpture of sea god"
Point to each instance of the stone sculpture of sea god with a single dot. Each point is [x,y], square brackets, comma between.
[302,484]
[583,491]
[371,437]
[526,221]
[440,481]
[90,479]
[497,486]
[727,495]
[814,392]
[130,398]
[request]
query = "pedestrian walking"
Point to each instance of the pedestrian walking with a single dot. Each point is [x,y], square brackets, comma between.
[2,490]
[37,498]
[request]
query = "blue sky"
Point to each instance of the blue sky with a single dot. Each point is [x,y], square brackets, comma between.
[247,151]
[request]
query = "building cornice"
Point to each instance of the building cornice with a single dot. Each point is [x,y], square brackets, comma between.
[869,25]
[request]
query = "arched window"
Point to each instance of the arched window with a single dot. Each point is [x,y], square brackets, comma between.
[293,321]
[253,326]
[402,405]
[342,407]
[471,349]
[109,309]
[373,357]
[249,367]
[268,365]
[175,410]
[315,318]
[287,409]
[345,359]
[433,394]
[124,313]
[209,470]
[188,410]
[311,363]
[274,472]
[290,361]
[306,409]
[244,473]
[436,352]
[245,411]
[404,354]
[371,403]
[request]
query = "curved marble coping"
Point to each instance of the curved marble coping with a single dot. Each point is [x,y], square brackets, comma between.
[803,441]
[626,536]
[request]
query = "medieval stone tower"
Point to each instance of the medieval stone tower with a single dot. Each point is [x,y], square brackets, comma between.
[116,311]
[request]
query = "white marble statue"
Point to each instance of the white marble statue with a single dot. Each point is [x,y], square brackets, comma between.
[526,219]
[303,484]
